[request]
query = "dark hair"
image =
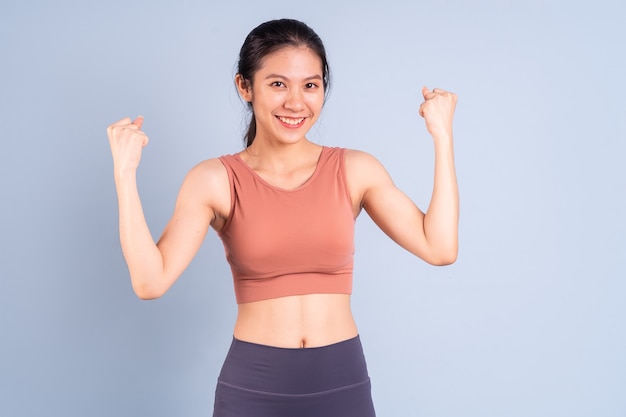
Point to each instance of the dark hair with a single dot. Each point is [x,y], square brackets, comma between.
[269,37]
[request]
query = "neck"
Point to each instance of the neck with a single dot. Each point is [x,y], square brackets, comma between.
[271,157]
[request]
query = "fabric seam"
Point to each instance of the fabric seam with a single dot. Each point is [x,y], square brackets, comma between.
[311,394]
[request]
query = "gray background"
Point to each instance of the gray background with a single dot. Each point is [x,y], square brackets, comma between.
[530,321]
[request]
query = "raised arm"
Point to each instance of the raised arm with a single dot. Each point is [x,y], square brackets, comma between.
[432,236]
[154,267]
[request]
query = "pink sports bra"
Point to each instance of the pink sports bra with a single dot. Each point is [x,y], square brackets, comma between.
[289,242]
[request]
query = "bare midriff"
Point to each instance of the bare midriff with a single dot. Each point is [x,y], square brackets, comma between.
[299,321]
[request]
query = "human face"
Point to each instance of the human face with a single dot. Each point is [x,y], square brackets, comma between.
[287,94]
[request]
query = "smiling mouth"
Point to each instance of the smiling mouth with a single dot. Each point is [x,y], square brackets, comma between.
[291,121]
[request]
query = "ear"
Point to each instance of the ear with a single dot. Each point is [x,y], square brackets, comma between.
[244,88]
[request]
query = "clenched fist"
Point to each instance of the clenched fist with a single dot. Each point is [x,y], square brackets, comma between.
[438,111]
[127,140]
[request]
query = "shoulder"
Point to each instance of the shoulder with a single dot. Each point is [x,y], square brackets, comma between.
[362,165]
[356,157]
[207,186]
[208,180]
[208,172]
[364,173]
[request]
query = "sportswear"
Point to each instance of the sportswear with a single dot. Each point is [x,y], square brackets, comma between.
[281,242]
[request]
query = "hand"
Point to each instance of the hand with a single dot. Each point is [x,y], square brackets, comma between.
[127,140]
[438,111]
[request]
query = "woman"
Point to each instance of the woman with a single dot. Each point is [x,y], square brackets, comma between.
[285,210]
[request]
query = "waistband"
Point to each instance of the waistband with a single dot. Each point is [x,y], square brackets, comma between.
[294,370]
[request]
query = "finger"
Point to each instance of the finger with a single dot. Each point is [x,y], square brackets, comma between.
[138,121]
[428,94]
[139,135]
[421,110]
[121,122]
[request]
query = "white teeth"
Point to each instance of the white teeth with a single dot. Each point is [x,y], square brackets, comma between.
[289,121]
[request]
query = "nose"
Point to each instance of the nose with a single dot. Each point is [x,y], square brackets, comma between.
[294,100]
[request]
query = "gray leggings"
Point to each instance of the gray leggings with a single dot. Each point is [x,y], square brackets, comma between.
[265,381]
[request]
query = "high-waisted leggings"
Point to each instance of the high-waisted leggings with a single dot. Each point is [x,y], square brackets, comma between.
[265,381]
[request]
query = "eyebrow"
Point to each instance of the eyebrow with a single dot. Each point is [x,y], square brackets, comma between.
[312,77]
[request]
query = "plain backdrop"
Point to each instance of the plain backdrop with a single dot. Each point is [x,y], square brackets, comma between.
[531,319]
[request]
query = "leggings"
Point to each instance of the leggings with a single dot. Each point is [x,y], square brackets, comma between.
[265,381]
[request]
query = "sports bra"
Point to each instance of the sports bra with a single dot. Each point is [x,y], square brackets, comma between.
[282,242]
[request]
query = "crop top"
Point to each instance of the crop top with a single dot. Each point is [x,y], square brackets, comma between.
[282,242]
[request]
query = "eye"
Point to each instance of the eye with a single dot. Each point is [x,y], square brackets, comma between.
[278,84]
[311,85]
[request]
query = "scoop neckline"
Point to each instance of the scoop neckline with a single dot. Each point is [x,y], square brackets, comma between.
[275,187]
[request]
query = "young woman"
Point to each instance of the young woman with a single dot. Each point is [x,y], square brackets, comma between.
[285,208]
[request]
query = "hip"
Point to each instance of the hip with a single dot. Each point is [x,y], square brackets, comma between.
[328,380]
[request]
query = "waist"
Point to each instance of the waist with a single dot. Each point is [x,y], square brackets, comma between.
[294,371]
[310,320]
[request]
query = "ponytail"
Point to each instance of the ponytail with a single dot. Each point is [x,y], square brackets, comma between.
[251,132]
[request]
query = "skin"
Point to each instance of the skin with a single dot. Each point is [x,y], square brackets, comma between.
[288,85]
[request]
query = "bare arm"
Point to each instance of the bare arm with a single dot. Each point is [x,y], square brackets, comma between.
[432,236]
[154,267]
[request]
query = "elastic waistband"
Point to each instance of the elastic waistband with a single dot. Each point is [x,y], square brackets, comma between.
[294,370]
[356,339]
